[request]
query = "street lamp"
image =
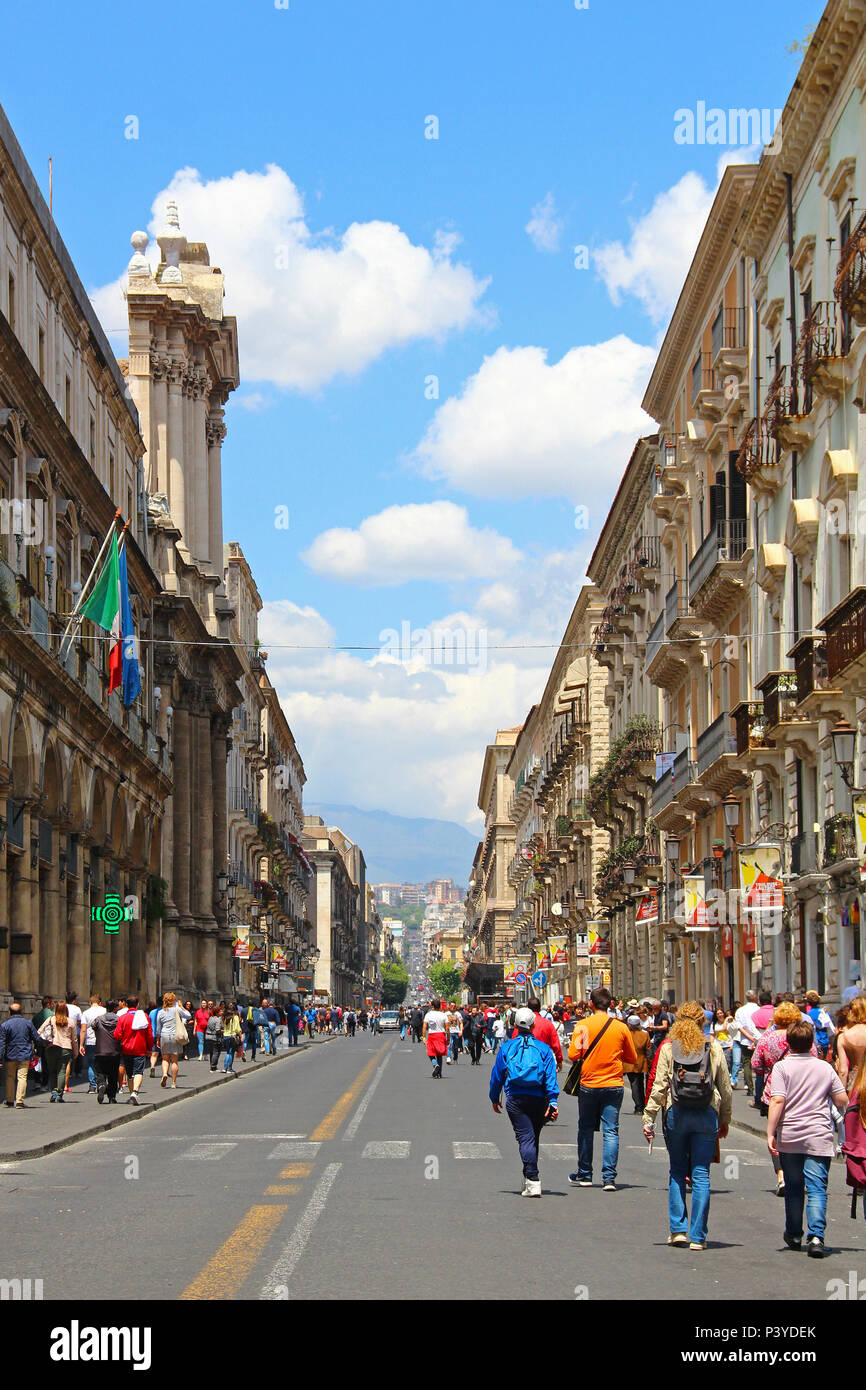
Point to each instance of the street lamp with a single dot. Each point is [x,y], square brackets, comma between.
[731,807]
[628,869]
[844,735]
[222,883]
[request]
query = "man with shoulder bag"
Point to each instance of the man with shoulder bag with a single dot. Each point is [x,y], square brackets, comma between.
[599,1046]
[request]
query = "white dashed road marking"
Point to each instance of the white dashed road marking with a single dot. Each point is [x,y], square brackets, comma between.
[472,1148]
[208,1152]
[279,1285]
[387,1148]
[308,1150]
[568,1151]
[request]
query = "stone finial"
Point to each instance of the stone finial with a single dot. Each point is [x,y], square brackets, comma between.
[171,243]
[139,266]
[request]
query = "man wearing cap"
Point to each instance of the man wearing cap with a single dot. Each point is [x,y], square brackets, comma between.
[544,1030]
[526,1067]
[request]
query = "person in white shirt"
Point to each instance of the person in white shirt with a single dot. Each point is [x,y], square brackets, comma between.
[498,1032]
[744,1042]
[89,1038]
[72,1008]
[434,1033]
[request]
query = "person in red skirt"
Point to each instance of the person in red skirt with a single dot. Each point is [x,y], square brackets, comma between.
[435,1035]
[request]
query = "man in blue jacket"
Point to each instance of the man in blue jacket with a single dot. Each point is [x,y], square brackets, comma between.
[526,1067]
[18,1038]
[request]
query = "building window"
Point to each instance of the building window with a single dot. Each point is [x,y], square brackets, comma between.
[697,374]
[11,302]
[67,403]
[92,440]
[41,354]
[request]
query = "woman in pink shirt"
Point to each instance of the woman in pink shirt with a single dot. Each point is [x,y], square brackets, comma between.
[800,1133]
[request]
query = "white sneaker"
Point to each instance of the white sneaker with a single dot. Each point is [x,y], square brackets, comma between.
[447,1061]
[531,1188]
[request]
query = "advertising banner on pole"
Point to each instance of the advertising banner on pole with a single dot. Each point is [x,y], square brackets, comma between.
[761,878]
[241,943]
[558,949]
[257,948]
[648,910]
[696,903]
[860,831]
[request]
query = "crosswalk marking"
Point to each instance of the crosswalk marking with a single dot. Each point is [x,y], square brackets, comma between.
[207,1152]
[282,1189]
[472,1148]
[568,1151]
[297,1170]
[387,1148]
[296,1150]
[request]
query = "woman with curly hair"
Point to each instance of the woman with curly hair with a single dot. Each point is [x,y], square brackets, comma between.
[693,1088]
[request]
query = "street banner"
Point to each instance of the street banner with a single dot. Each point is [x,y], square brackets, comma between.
[278,958]
[648,911]
[696,903]
[257,948]
[727,942]
[664,764]
[860,831]
[542,958]
[508,972]
[241,943]
[558,950]
[581,945]
[599,940]
[749,942]
[761,878]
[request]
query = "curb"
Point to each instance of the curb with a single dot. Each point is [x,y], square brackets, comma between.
[131,1112]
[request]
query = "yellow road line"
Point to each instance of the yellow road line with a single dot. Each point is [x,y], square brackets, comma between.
[226,1271]
[297,1170]
[335,1117]
[283,1189]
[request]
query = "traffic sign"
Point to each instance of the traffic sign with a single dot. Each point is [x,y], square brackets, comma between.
[539,979]
[520,977]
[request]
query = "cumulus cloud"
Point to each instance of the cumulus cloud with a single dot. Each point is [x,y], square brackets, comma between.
[544,228]
[523,426]
[653,264]
[313,304]
[430,540]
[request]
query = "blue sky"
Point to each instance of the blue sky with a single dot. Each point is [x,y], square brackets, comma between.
[469,497]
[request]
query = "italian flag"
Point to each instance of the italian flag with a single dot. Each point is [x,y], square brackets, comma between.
[103,608]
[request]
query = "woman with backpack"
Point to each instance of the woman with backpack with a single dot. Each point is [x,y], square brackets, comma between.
[692,1087]
[821,1022]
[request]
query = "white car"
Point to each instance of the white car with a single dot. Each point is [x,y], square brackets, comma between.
[388,1019]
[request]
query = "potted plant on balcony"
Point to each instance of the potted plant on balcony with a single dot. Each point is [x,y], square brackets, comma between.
[718,849]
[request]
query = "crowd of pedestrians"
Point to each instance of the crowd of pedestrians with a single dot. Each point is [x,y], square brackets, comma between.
[803,1070]
[116,1042]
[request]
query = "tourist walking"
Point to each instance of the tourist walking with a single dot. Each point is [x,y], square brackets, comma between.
[692,1087]
[88,1038]
[202,1014]
[434,1031]
[214,1035]
[601,1044]
[800,1133]
[136,1040]
[526,1068]
[106,1056]
[171,1021]
[61,1038]
[637,1071]
[232,1036]
[18,1038]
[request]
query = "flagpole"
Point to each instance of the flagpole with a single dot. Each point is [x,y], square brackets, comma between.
[81,597]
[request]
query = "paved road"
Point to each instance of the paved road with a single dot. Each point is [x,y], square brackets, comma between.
[349,1173]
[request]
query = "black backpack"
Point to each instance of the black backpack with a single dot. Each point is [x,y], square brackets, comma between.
[692,1082]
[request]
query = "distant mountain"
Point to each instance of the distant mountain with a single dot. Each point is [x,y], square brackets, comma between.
[403,849]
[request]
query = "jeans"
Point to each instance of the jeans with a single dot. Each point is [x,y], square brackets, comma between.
[741,1055]
[637,1082]
[57,1058]
[805,1181]
[690,1136]
[252,1041]
[293,1034]
[199,1037]
[455,1046]
[476,1046]
[230,1054]
[90,1053]
[272,1035]
[598,1103]
[526,1114]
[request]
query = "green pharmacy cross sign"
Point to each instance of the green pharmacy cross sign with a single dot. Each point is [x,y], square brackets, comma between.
[112,913]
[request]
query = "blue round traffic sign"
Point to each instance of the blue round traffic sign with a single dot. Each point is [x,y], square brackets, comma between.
[539,979]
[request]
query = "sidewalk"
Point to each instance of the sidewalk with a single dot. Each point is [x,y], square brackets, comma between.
[745,1116]
[43,1128]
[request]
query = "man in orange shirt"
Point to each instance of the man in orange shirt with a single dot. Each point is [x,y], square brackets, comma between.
[544,1030]
[605,1043]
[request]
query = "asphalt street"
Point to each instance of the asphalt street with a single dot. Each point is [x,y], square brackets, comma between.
[349,1173]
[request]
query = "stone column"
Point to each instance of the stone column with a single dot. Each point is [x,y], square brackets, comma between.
[176,459]
[5,915]
[181,813]
[100,955]
[55,977]
[219,754]
[199,388]
[78,966]
[20,917]
[216,432]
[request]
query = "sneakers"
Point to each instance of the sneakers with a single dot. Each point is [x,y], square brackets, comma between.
[100,1093]
[10,1103]
[164,1081]
[678,1238]
[780,1185]
[575,1180]
[153,1071]
[448,1061]
[815,1248]
[609,1187]
[697,1245]
[531,1187]
[793,1242]
[133,1098]
[53,1097]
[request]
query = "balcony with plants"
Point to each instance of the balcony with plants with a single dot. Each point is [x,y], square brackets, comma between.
[632,756]
[850,286]
[840,849]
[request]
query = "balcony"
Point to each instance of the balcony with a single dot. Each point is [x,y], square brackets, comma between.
[709,398]
[840,850]
[819,354]
[731,352]
[667,811]
[850,286]
[754,745]
[718,764]
[668,657]
[817,694]
[845,627]
[767,437]
[779,689]
[716,574]
[804,854]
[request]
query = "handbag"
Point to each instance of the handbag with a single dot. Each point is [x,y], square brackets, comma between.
[571,1085]
[180,1033]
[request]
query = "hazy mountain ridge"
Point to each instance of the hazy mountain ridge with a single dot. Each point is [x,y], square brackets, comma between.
[403,849]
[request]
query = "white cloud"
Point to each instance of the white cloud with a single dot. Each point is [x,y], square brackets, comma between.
[544,228]
[312,305]
[523,427]
[430,540]
[653,265]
